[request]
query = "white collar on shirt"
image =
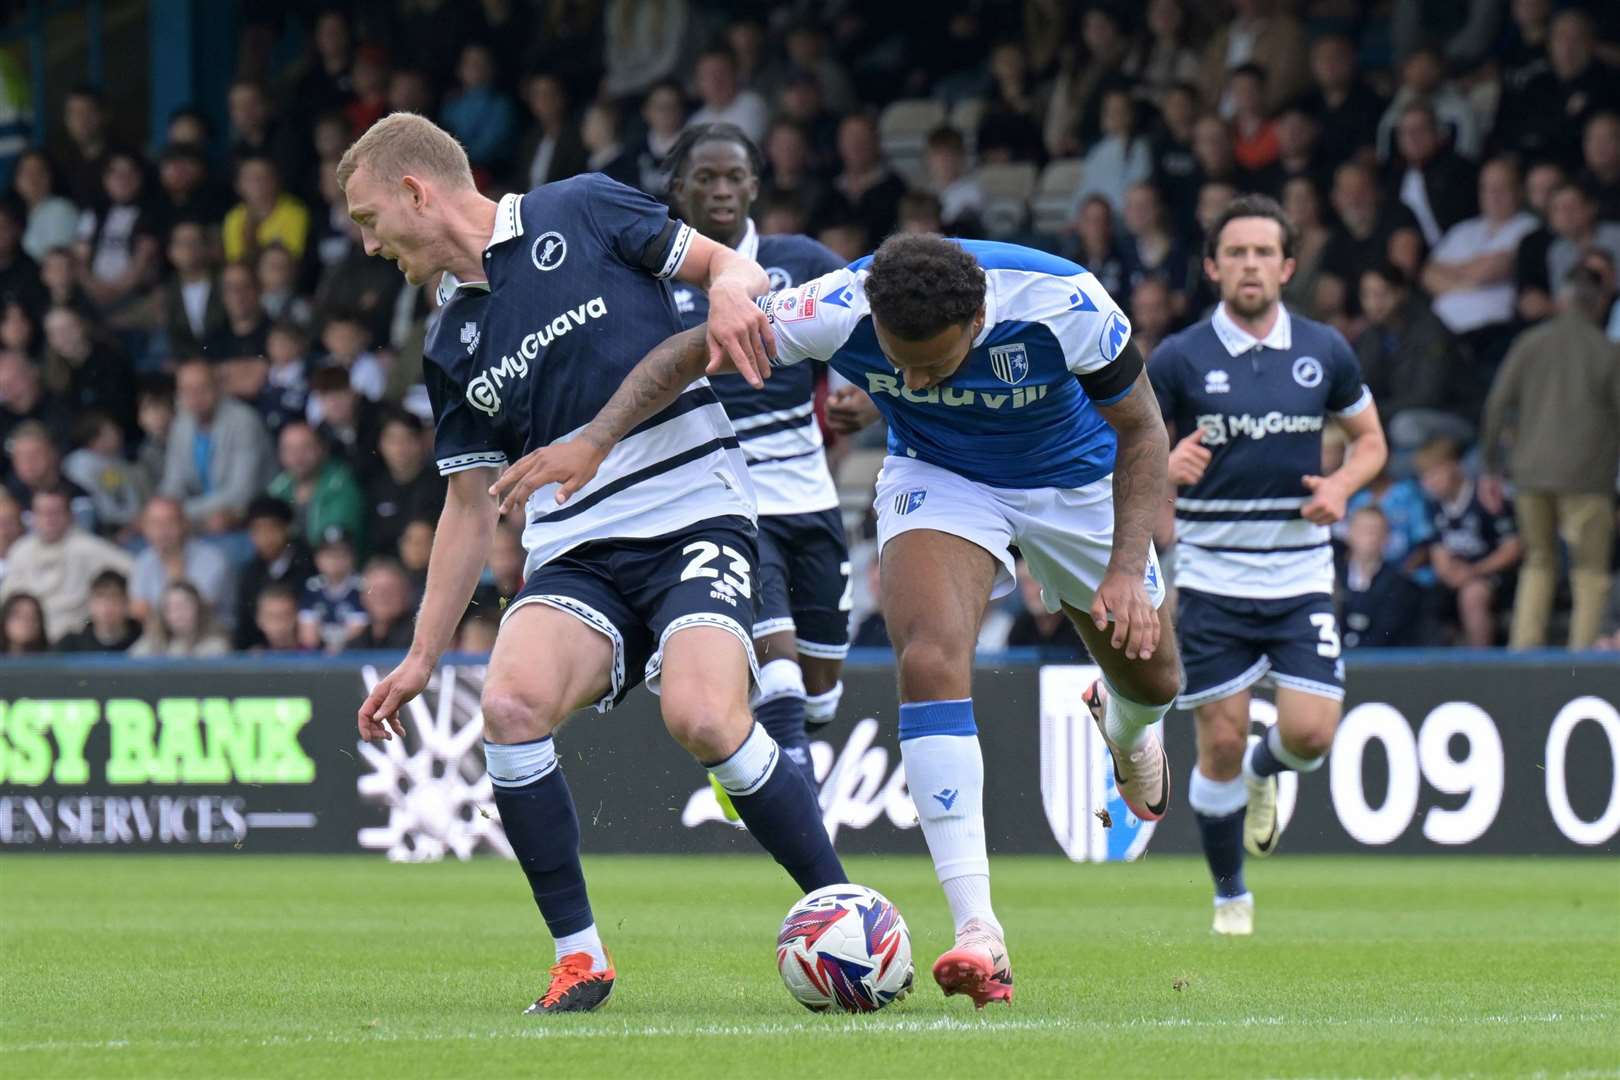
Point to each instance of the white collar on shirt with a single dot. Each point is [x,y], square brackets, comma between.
[1239,341]
[748,246]
[508,226]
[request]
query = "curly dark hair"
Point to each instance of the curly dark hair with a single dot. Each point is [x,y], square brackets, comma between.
[921,283]
[1247,206]
[681,153]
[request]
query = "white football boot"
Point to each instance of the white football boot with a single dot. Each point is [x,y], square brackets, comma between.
[1235,917]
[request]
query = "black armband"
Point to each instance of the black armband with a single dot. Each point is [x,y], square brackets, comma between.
[1108,384]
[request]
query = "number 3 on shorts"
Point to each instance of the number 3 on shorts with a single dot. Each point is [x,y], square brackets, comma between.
[703,553]
[1328,629]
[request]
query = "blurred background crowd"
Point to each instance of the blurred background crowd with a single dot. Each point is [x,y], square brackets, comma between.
[215,434]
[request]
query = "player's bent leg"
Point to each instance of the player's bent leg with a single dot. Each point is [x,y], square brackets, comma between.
[703,684]
[1219,798]
[1127,704]
[546,663]
[935,588]
[823,687]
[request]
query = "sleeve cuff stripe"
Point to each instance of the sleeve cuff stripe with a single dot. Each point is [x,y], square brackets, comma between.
[677,251]
[463,462]
[1356,406]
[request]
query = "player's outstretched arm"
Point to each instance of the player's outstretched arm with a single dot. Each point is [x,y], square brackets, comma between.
[461,544]
[1140,468]
[672,366]
[739,334]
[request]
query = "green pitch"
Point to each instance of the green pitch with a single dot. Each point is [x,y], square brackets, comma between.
[352,967]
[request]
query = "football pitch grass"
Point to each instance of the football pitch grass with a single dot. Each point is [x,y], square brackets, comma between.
[202,966]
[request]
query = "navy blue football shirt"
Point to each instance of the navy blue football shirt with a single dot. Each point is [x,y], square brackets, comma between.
[575,297]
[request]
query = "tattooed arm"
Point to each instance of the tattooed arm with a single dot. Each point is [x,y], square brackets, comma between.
[651,386]
[1140,467]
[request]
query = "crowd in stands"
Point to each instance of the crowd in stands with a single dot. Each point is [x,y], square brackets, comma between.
[215,434]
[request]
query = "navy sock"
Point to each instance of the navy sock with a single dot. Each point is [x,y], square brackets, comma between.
[783,719]
[1263,760]
[1223,849]
[543,829]
[780,809]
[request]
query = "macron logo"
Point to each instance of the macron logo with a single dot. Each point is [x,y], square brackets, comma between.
[947,798]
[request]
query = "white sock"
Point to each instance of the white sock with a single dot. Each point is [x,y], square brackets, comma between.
[969,898]
[750,765]
[1128,722]
[585,941]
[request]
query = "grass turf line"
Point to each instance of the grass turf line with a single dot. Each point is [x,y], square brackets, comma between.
[350,966]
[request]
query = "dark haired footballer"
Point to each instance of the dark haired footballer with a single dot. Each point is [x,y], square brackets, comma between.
[1019,414]
[1249,390]
[801,617]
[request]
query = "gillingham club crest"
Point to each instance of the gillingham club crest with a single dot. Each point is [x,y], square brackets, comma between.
[1009,363]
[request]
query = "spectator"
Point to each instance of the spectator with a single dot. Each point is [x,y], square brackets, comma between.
[724,102]
[405,488]
[57,561]
[408,91]
[1121,157]
[330,611]
[1050,633]
[1097,248]
[323,493]
[36,466]
[1572,226]
[11,527]
[1557,398]
[388,602]
[117,248]
[479,113]
[110,628]
[193,308]
[1365,224]
[1600,153]
[1302,202]
[279,559]
[1379,605]
[18,330]
[1475,546]
[275,620]
[23,398]
[186,192]
[53,221]
[1423,83]
[800,102]
[1152,248]
[604,142]
[663,112]
[57,278]
[415,547]
[1175,166]
[370,80]
[867,192]
[180,626]
[1470,272]
[154,414]
[85,152]
[1009,126]
[1431,180]
[1212,150]
[960,197]
[644,43]
[1260,34]
[255,134]
[278,286]
[242,337]
[552,147]
[1409,520]
[86,373]
[349,424]
[171,555]
[1340,101]
[20,277]
[285,393]
[1545,118]
[1073,110]
[347,340]
[22,625]
[1406,359]
[1297,153]
[789,177]
[326,82]
[1163,58]
[1152,314]
[1254,134]
[218,453]
[1523,54]
[266,214]
[118,488]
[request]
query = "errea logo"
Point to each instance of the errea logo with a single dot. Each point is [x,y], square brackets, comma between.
[1217,382]
[484,391]
[469,337]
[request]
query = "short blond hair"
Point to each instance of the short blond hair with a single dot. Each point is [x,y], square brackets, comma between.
[406,144]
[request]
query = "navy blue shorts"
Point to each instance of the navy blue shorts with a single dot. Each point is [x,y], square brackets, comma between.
[804,581]
[1229,644]
[638,592]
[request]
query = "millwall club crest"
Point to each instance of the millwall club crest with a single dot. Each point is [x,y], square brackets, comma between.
[469,337]
[549,251]
[780,278]
[1009,363]
[1308,372]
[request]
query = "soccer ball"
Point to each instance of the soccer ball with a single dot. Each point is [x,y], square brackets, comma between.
[845,948]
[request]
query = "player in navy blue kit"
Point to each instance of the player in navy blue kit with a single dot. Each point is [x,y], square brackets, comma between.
[801,618]
[1247,393]
[549,299]
[1019,414]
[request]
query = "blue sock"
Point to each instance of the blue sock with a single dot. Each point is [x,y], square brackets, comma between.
[779,707]
[1223,849]
[780,809]
[537,812]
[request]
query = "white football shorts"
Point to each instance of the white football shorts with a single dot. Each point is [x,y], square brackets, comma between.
[1064,534]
